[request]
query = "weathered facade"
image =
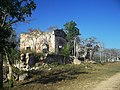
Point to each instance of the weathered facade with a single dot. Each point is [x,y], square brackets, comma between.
[48,42]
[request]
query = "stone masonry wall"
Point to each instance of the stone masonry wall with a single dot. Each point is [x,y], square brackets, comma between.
[41,41]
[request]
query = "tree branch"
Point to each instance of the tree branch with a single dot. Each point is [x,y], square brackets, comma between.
[15,21]
[4,19]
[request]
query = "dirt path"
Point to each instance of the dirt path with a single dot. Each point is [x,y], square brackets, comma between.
[112,83]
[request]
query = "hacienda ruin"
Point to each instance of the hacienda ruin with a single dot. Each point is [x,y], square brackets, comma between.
[46,42]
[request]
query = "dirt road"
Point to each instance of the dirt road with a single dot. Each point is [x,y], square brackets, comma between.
[112,83]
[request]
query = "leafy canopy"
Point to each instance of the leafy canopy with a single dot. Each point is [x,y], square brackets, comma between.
[71,30]
[11,12]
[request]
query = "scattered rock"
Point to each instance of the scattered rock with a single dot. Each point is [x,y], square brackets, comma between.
[4,78]
[76,61]
[49,69]
[15,76]
[23,77]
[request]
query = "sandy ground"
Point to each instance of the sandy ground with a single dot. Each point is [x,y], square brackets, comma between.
[112,83]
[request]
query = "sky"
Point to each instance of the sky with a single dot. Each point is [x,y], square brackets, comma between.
[98,18]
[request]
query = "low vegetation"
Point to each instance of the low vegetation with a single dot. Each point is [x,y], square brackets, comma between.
[67,77]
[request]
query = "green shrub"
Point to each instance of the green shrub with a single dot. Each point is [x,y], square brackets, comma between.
[10,83]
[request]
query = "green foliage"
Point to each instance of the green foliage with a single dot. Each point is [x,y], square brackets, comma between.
[71,30]
[7,39]
[14,55]
[66,50]
[9,44]
[10,83]
[16,10]
[12,11]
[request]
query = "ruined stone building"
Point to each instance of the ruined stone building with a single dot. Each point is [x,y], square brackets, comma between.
[48,42]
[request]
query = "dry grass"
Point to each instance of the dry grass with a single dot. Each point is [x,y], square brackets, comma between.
[68,77]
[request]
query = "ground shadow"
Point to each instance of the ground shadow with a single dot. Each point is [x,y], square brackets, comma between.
[55,77]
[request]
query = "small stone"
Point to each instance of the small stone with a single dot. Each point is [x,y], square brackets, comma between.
[76,61]
[23,77]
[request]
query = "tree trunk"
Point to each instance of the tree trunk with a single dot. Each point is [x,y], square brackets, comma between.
[10,72]
[1,71]
[85,53]
[10,68]
[91,55]
[9,76]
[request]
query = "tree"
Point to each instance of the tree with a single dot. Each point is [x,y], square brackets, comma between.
[7,41]
[91,45]
[77,47]
[2,41]
[72,32]
[1,71]
[10,44]
[66,50]
[110,54]
[11,12]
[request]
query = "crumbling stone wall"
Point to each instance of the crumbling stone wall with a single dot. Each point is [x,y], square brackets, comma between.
[50,41]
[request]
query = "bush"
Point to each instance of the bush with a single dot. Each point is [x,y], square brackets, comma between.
[10,83]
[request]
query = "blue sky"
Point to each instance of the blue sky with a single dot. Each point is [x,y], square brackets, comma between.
[98,18]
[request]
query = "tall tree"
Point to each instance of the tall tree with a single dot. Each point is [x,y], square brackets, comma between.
[11,12]
[8,51]
[72,32]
